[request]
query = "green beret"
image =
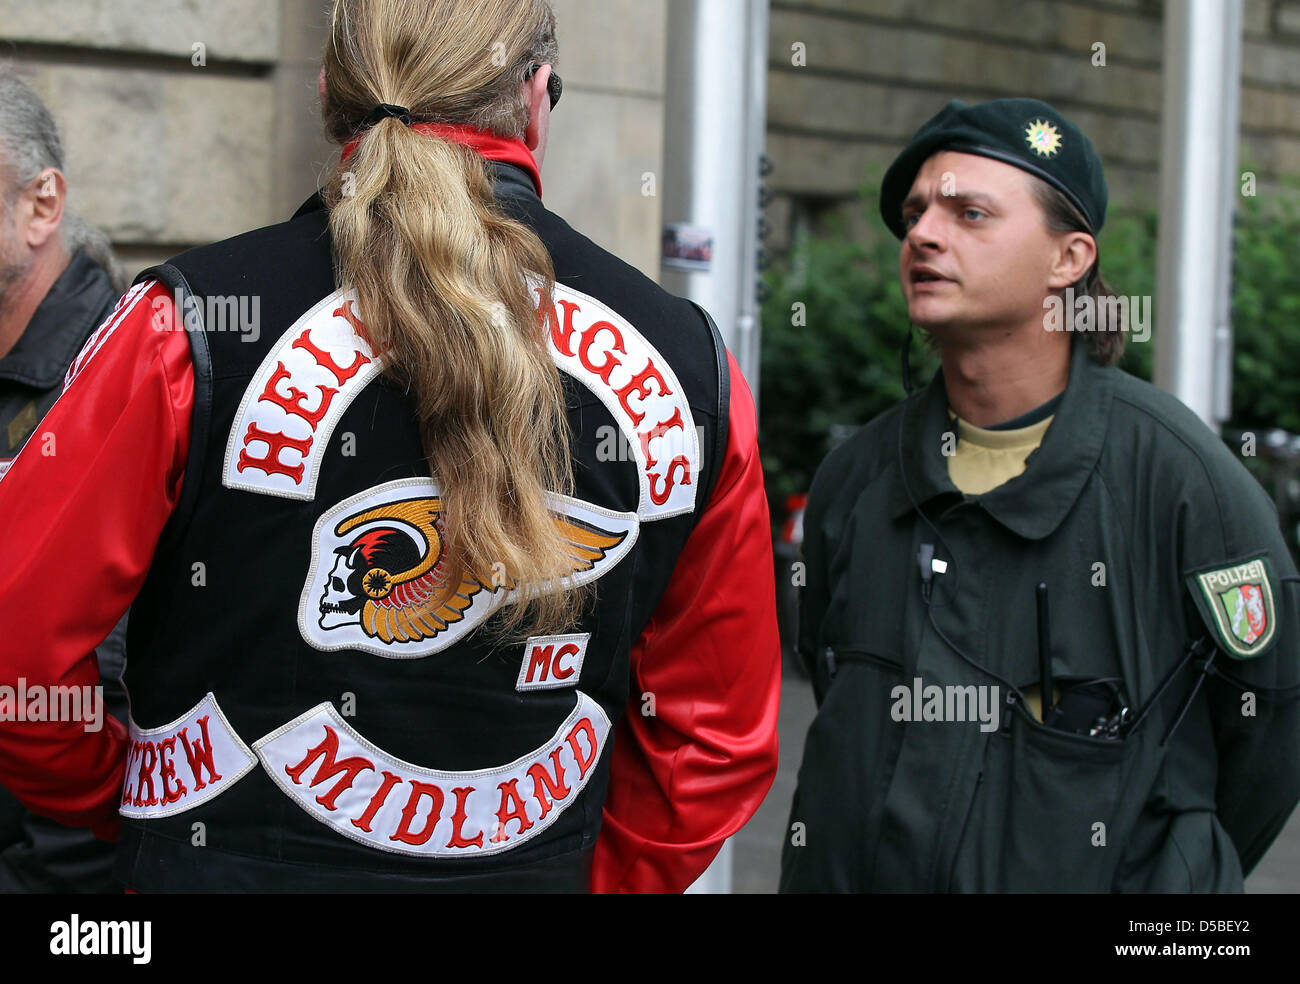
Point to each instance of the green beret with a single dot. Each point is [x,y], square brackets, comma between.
[1024,133]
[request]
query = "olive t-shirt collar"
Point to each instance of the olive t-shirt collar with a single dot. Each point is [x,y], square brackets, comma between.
[1034,503]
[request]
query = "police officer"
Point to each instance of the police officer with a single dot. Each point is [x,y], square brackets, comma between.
[58,280]
[443,529]
[1051,619]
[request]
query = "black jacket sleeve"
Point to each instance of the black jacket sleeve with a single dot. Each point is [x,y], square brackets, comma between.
[1254,700]
[814,596]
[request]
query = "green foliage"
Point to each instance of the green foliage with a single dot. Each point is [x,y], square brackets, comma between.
[841,367]
[1127,247]
[1266,315]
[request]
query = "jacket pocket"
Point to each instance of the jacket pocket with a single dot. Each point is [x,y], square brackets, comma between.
[1040,819]
[841,779]
[879,659]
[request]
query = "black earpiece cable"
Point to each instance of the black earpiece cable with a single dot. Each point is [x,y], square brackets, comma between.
[925,559]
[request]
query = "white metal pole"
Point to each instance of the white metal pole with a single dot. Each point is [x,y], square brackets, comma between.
[715,119]
[1198,187]
[715,111]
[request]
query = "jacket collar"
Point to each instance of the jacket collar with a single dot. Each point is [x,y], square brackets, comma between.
[485,143]
[511,182]
[75,304]
[1034,503]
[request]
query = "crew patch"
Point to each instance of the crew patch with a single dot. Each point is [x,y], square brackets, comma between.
[1236,603]
[362,792]
[295,399]
[551,662]
[378,578]
[602,350]
[180,765]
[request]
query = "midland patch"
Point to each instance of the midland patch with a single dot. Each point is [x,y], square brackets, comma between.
[1237,604]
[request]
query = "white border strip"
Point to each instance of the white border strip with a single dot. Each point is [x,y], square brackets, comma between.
[387,804]
[230,761]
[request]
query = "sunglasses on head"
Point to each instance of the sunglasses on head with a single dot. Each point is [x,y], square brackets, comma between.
[554,85]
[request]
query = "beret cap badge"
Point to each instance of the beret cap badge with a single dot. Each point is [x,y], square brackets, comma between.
[1043,138]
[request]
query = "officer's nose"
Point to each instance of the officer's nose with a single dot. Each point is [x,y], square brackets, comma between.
[927,232]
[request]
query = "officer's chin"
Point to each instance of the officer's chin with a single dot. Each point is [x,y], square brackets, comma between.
[930,314]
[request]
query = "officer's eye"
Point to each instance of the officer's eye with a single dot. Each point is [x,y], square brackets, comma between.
[910,219]
[973,214]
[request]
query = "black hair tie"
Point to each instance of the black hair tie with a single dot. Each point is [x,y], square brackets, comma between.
[385,110]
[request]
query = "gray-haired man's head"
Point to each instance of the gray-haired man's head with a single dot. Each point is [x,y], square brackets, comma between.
[31,160]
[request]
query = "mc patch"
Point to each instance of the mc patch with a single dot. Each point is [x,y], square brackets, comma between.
[552,661]
[1236,603]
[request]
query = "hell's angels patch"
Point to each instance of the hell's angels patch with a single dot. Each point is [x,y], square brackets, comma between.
[1237,605]
[379,579]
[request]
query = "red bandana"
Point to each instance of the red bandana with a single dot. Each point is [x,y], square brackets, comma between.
[510,150]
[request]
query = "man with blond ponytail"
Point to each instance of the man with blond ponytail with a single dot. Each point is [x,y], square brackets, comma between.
[443,530]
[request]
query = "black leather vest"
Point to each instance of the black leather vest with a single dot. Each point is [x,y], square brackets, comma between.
[305,717]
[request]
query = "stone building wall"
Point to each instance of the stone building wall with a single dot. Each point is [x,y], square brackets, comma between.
[165,153]
[170,145]
[876,69]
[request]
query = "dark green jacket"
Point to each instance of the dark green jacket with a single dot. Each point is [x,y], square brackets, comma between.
[1128,499]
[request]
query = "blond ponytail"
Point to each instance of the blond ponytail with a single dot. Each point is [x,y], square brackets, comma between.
[440,273]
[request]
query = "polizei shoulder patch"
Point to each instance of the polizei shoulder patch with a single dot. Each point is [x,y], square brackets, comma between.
[1237,605]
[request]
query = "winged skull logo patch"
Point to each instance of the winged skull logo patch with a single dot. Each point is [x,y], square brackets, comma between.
[378,570]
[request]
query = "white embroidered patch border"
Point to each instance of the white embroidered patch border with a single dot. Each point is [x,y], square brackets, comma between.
[375,576]
[295,399]
[551,662]
[358,790]
[209,745]
[640,390]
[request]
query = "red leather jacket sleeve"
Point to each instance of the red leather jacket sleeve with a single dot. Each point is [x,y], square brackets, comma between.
[81,509]
[690,774]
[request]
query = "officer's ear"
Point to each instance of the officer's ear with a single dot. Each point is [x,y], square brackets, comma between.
[1075,254]
[43,211]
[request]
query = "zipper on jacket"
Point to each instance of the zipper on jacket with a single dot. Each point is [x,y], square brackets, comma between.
[970,809]
[1003,732]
